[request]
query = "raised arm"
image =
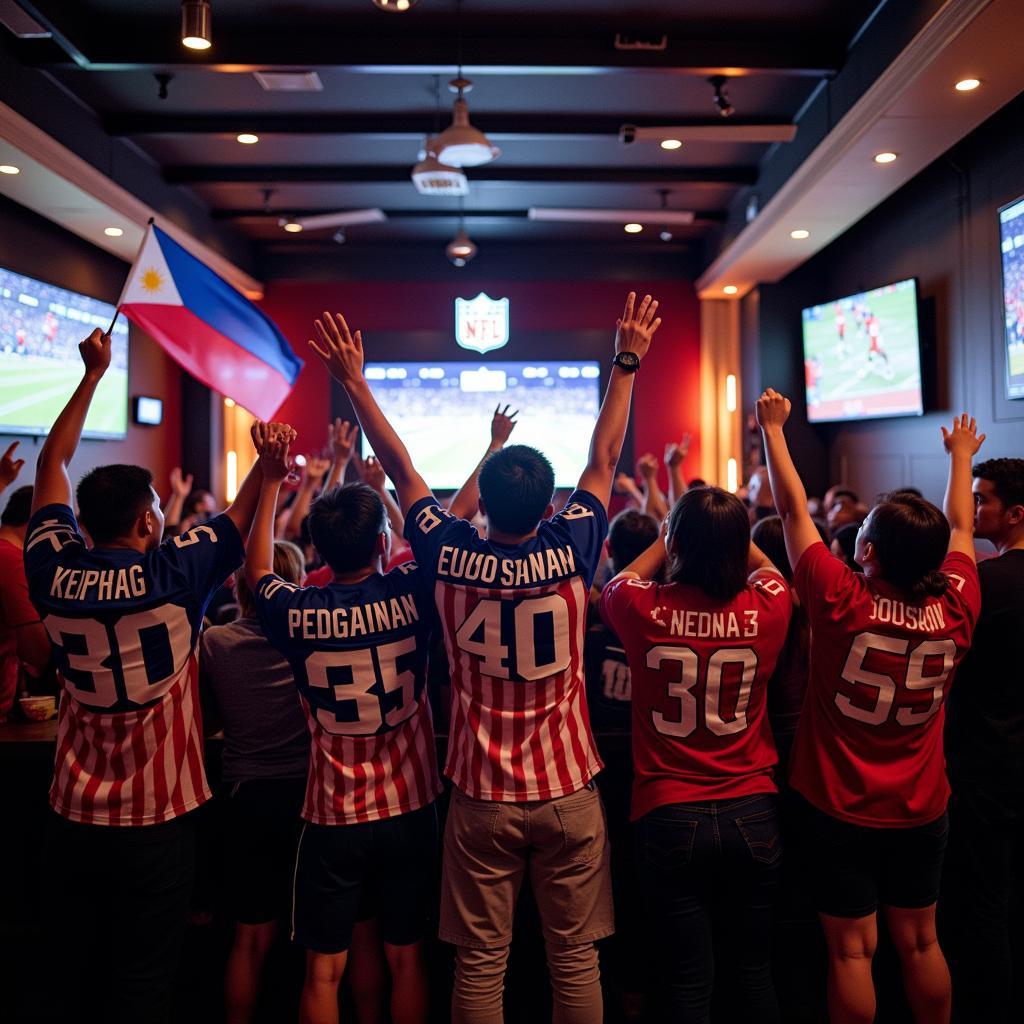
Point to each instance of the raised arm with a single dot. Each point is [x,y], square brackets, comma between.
[790,497]
[272,444]
[962,443]
[341,352]
[373,476]
[342,437]
[654,503]
[243,508]
[633,335]
[181,488]
[10,467]
[289,522]
[53,485]
[675,456]
[464,504]
[647,564]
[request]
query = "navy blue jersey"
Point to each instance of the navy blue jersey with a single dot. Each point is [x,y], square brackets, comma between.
[513,619]
[359,654]
[124,628]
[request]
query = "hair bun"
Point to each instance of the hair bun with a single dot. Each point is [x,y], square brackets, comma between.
[932,584]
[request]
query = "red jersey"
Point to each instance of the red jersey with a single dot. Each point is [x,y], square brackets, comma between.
[513,620]
[15,610]
[124,627]
[699,669]
[868,747]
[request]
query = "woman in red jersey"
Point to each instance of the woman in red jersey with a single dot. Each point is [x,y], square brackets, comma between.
[867,759]
[700,651]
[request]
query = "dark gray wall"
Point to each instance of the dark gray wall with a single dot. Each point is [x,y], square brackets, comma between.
[941,228]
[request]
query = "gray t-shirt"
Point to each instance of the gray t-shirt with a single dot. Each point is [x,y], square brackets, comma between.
[265,730]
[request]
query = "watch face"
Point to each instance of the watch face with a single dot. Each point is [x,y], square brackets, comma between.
[628,360]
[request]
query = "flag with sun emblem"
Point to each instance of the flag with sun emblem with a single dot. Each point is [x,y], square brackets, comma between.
[207,327]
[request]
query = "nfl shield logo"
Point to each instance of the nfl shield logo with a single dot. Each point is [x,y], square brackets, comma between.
[481,324]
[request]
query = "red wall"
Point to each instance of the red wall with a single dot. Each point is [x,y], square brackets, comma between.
[666,401]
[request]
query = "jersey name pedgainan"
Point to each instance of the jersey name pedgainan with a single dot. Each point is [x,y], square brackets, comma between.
[707,625]
[927,619]
[98,584]
[360,620]
[479,566]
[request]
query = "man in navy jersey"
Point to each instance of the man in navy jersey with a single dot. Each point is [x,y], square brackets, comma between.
[513,612]
[358,648]
[123,618]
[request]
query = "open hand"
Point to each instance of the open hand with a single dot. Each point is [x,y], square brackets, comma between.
[180,485]
[95,352]
[339,349]
[316,468]
[625,484]
[963,437]
[647,466]
[772,409]
[636,327]
[675,454]
[342,436]
[502,424]
[10,467]
[373,473]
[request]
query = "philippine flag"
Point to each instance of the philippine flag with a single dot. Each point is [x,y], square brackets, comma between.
[208,327]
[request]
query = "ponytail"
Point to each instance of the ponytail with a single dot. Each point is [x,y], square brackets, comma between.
[931,584]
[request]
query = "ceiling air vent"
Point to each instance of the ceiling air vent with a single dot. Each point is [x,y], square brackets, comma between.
[289,81]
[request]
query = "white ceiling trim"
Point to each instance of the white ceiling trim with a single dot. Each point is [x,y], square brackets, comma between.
[92,199]
[823,197]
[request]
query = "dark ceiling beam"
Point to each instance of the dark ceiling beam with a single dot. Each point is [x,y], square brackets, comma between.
[414,124]
[136,46]
[708,216]
[348,175]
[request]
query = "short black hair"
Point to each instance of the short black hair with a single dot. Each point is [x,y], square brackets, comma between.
[709,540]
[344,524]
[911,537]
[845,492]
[695,483]
[630,534]
[111,499]
[516,485]
[18,508]
[846,538]
[1006,477]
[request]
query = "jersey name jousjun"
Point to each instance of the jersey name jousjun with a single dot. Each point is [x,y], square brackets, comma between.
[513,620]
[124,628]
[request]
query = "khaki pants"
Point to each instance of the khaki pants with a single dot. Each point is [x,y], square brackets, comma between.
[489,845]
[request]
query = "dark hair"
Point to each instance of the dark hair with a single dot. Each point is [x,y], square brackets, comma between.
[695,483]
[288,564]
[516,485]
[344,524]
[1006,477]
[18,508]
[709,539]
[193,500]
[912,491]
[846,538]
[911,537]
[845,492]
[111,499]
[768,535]
[630,533]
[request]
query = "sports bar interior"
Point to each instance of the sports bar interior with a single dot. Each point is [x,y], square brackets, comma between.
[481,182]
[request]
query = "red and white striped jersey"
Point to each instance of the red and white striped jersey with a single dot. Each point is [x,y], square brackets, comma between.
[513,620]
[359,654]
[124,628]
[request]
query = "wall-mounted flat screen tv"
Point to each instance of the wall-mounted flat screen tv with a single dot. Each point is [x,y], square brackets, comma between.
[1011,240]
[442,411]
[41,326]
[862,355]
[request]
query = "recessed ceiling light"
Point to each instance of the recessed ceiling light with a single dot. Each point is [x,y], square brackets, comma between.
[229,403]
[800,233]
[290,225]
[113,232]
[730,289]
[671,143]
[884,158]
[967,84]
[247,139]
[9,169]
[633,228]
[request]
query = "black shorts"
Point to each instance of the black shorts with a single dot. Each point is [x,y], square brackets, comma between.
[347,873]
[261,833]
[854,868]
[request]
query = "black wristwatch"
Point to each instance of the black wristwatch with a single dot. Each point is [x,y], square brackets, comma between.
[628,361]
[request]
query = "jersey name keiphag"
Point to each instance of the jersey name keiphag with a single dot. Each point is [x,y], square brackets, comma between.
[359,654]
[513,620]
[124,627]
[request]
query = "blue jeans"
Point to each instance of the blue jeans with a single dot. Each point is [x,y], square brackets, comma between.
[711,874]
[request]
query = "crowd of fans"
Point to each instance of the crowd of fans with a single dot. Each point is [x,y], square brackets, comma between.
[781,662]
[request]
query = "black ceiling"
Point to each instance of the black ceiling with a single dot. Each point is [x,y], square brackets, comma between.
[550,88]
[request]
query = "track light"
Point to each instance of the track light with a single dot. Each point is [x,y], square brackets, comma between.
[725,108]
[196,24]
[461,249]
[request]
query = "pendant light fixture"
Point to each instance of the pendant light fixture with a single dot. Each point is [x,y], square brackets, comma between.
[461,249]
[460,144]
[433,178]
[196,24]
